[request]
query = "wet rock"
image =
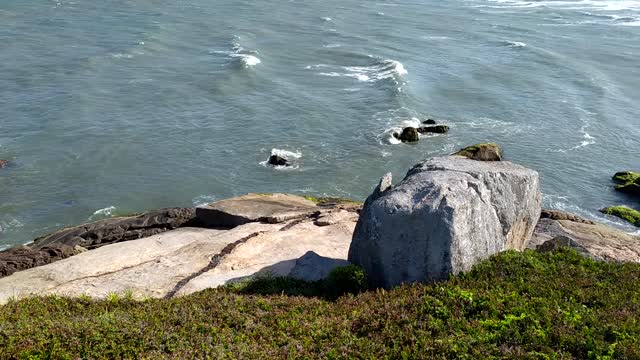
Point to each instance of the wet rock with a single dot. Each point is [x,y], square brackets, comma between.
[629,182]
[409,134]
[445,216]
[625,213]
[4,163]
[438,129]
[23,257]
[482,152]
[276,160]
[429,122]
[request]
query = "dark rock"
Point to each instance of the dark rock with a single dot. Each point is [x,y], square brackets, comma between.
[429,122]
[438,129]
[559,242]
[629,182]
[482,152]
[276,160]
[561,215]
[409,134]
[54,247]
[23,257]
[4,163]
[396,135]
[625,213]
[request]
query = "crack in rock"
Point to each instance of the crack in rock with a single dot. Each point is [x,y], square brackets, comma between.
[215,261]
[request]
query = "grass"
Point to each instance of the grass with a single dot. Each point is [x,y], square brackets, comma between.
[515,305]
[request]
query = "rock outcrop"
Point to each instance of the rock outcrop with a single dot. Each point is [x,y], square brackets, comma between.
[482,152]
[409,134]
[623,212]
[429,122]
[629,182]
[599,241]
[276,160]
[56,246]
[438,129]
[446,215]
[270,208]
[191,259]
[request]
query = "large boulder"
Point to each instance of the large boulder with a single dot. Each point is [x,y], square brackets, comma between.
[482,152]
[66,242]
[445,216]
[624,212]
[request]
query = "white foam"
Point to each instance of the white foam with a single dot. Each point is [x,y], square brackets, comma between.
[515,44]
[247,60]
[203,200]
[103,213]
[327,19]
[290,156]
[122,56]
[380,70]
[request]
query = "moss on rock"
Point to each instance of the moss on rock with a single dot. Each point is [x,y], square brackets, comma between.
[624,212]
[482,152]
[629,182]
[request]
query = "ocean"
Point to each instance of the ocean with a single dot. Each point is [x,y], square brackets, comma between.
[112,107]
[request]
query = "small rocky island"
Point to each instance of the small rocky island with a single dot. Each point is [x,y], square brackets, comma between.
[445,216]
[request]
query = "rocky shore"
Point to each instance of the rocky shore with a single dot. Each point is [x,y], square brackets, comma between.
[446,215]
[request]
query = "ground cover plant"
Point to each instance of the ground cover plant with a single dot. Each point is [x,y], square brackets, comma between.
[515,305]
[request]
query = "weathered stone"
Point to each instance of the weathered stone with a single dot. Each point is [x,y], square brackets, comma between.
[66,242]
[184,260]
[482,152]
[271,208]
[335,217]
[429,122]
[561,215]
[446,215]
[4,163]
[409,134]
[313,267]
[276,160]
[625,213]
[438,129]
[598,240]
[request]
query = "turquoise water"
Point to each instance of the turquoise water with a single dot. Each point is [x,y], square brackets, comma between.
[109,107]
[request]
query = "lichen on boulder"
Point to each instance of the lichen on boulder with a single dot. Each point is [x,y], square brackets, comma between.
[482,152]
[629,182]
[625,213]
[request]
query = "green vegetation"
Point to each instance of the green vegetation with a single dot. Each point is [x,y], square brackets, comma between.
[623,212]
[515,305]
[629,182]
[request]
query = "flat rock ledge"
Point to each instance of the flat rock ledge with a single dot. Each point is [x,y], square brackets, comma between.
[189,259]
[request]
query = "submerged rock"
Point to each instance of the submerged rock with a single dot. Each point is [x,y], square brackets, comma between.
[438,129]
[4,163]
[482,152]
[276,160]
[445,216]
[625,213]
[629,182]
[429,122]
[409,134]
